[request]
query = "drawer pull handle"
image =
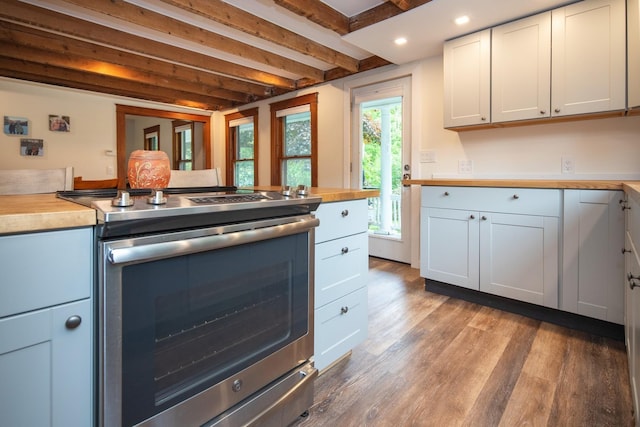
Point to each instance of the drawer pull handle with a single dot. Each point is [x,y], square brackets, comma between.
[632,280]
[516,197]
[344,310]
[446,193]
[73,322]
[344,250]
[625,250]
[344,212]
[472,217]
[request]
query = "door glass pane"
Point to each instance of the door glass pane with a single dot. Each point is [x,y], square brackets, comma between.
[381,139]
[297,172]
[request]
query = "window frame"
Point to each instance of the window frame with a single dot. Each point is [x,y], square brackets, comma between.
[152,138]
[177,144]
[230,134]
[277,136]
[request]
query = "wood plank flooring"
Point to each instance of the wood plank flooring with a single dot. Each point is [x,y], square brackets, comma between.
[432,360]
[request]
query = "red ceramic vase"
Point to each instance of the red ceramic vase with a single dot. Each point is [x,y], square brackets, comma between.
[149,169]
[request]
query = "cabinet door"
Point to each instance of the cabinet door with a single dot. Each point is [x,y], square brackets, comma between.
[521,69]
[632,319]
[449,246]
[592,264]
[633,52]
[46,368]
[588,57]
[467,79]
[519,257]
[340,326]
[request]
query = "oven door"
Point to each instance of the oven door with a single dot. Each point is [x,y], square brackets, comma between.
[193,322]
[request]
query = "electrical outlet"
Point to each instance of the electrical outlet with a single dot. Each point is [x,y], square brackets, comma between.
[110,170]
[568,165]
[427,156]
[465,167]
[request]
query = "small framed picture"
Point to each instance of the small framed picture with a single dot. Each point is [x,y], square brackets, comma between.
[16,125]
[31,147]
[59,123]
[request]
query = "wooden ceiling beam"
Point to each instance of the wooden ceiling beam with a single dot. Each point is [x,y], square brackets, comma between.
[234,17]
[26,70]
[318,12]
[386,10]
[16,11]
[147,18]
[29,43]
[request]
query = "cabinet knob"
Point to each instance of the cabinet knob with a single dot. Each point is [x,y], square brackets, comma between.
[516,197]
[344,212]
[484,218]
[73,322]
[543,112]
[345,250]
[484,119]
[632,280]
[446,193]
[344,310]
[472,217]
[557,110]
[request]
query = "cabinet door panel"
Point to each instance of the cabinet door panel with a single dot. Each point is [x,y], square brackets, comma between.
[588,57]
[449,246]
[46,368]
[467,67]
[519,257]
[521,69]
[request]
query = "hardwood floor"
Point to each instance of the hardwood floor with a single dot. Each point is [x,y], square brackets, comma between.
[431,360]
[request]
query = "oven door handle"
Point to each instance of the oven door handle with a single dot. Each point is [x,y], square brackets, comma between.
[156,251]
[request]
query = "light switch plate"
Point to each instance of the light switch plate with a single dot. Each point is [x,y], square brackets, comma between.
[465,167]
[427,156]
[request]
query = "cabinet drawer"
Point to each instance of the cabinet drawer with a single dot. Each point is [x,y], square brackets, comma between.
[340,326]
[341,267]
[341,219]
[45,269]
[529,201]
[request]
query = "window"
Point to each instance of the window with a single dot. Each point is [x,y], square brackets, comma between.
[294,141]
[242,147]
[182,145]
[152,138]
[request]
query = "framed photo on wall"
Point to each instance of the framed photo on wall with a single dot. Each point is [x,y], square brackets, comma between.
[59,123]
[31,147]
[16,125]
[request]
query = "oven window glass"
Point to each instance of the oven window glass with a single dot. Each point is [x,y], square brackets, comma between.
[191,321]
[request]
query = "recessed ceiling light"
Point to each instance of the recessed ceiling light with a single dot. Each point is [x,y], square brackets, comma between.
[400,41]
[461,20]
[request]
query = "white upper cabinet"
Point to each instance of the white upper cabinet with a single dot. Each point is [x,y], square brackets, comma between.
[467,74]
[633,41]
[588,57]
[521,69]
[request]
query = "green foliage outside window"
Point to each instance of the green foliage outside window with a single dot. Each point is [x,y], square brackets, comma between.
[371,157]
[297,137]
[244,175]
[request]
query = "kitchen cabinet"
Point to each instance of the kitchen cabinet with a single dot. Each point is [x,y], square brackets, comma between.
[632,297]
[593,267]
[341,268]
[566,62]
[502,241]
[633,55]
[467,74]
[521,69]
[46,328]
[588,57]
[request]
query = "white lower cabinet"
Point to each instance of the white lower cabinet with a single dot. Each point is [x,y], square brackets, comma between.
[593,266]
[631,285]
[341,268]
[502,241]
[46,329]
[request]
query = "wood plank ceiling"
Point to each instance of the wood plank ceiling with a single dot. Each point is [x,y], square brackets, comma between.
[138,50]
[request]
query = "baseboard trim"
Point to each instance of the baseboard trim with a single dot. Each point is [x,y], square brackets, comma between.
[545,314]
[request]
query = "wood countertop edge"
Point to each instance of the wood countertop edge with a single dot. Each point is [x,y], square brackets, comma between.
[329,194]
[527,183]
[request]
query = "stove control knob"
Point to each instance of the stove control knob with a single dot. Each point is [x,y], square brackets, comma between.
[156,198]
[303,190]
[286,190]
[123,199]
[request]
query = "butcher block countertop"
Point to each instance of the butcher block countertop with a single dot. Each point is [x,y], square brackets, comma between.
[41,212]
[527,183]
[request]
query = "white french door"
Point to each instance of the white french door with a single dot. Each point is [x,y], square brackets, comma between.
[381,149]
